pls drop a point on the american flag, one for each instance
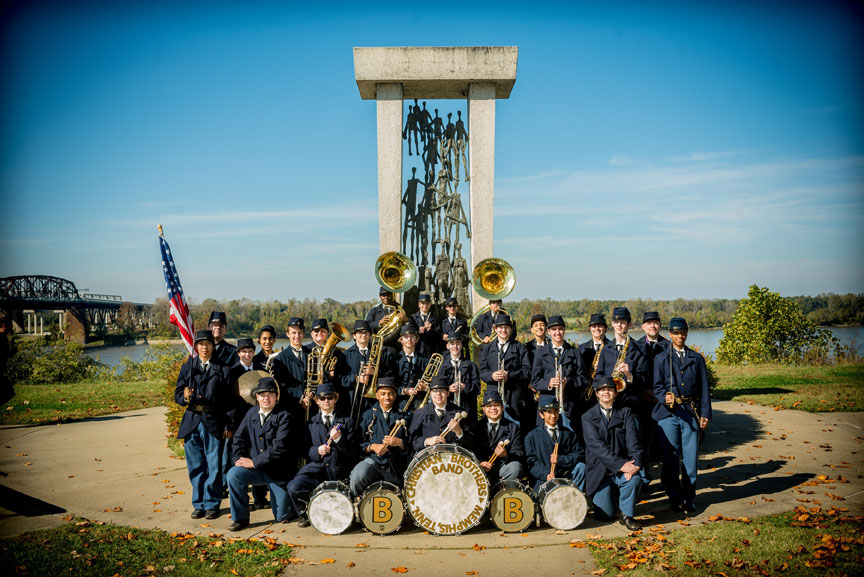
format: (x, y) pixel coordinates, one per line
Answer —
(179, 309)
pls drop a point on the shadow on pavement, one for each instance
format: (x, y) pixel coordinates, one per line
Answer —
(727, 430)
(25, 504)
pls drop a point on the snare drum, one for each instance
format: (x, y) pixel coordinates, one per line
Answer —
(381, 509)
(563, 505)
(512, 508)
(330, 510)
(446, 490)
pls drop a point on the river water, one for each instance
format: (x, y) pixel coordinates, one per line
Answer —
(708, 339)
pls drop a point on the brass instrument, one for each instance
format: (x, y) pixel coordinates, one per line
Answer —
(500, 368)
(397, 273)
(559, 390)
(458, 382)
(492, 278)
(590, 389)
(617, 375)
(247, 383)
(435, 362)
(375, 349)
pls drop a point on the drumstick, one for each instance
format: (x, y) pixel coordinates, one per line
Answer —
(396, 427)
(504, 443)
(554, 452)
(330, 440)
(458, 417)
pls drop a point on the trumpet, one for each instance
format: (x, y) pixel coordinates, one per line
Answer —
(430, 373)
(617, 376)
(500, 368)
(397, 273)
(457, 380)
(559, 390)
(492, 278)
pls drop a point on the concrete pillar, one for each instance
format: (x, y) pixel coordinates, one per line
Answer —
(481, 127)
(389, 103)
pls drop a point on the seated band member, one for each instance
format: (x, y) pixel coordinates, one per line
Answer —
(488, 436)
(484, 323)
(463, 375)
(504, 361)
(385, 455)
(409, 366)
(267, 340)
(613, 457)
(427, 326)
(262, 456)
(558, 365)
(539, 338)
(451, 322)
(429, 424)
(589, 349)
(224, 353)
(540, 450)
(203, 387)
(683, 407)
(246, 362)
(332, 452)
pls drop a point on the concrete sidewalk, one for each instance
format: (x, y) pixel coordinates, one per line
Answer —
(118, 469)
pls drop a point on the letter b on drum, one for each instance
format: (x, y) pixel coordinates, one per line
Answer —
(382, 510)
(513, 510)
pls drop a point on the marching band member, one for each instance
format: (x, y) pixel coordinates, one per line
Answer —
(320, 331)
(538, 332)
(289, 367)
(359, 371)
(204, 389)
(224, 353)
(505, 361)
(451, 323)
(633, 368)
(428, 423)
(246, 362)
(683, 408)
(589, 349)
(409, 364)
(463, 376)
(267, 340)
(427, 326)
(385, 455)
(484, 323)
(652, 341)
(613, 456)
(558, 365)
(549, 443)
(488, 436)
(378, 316)
(262, 456)
(332, 451)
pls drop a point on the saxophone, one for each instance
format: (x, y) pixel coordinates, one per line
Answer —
(617, 375)
(590, 389)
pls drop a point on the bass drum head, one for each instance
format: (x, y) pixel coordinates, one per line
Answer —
(564, 506)
(381, 508)
(330, 510)
(512, 507)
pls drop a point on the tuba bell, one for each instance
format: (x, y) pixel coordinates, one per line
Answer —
(492, 278)
(397, 273)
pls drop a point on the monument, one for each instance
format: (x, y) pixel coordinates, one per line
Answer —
(450, 153)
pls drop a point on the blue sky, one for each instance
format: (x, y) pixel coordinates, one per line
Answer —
(654, 150)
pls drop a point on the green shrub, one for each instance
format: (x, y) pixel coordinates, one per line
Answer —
(158, 363)
(48, 360)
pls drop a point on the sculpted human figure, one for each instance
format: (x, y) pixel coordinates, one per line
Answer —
(409, 201)
(455, 215)
(460, 280)
(442, 277)
(412, 127)
(461, 146)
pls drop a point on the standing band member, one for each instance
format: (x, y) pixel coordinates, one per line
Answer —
(267, 340)
(289, 368)
(203, 387)
(484, 323)
(539, 338)
(504, 365)
(683, 408)
(613, 457)
(428, 326)
(451, 322)
(224, 353)
(541, 445)
(409, 365)
(463, 376)
(558, 365)
(589, 349)
(262, 456)
(493, 435)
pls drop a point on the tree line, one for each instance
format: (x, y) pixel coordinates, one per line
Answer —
(246, 316)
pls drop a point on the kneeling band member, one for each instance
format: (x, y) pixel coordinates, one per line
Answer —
(429, 424)
(613, 456)
(548, 443)
(262, 456)
(386, 454)
(493, 435)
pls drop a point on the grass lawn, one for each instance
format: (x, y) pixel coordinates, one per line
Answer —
(83, 547)
(814, 389)
(41, 404)
(804, 542)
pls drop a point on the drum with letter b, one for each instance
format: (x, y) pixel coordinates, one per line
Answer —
(563, 505)
(380, 509)
(446, 490)
(330, 510)
(512, 508)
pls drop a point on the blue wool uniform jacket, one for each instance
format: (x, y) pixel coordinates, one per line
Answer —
(690, 380)
(587, 352)
(425, 424)
(571, 368)
(373, 429)
(458, 325)
(407, 374)
(343, 455)
(430, 341)
(225, 354)
(651, 350)
(212, 391)
(483, 446)
(374, 316)
(269, 445)
(608, 447)
(515, 360)
(633, 395)
(354, 361)
(531, 347)
(469, 375)
(483, 324)
(539, 447)
(290, 373)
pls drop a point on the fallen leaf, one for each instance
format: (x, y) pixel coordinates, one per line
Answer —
(477, 547)
(399, 569)
(600, 572)
(361, 545)
(323, 561)
(472, 572)
(350, 564)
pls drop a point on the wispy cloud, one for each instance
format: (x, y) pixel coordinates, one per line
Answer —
(703, 156)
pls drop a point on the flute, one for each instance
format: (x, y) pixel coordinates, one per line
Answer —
(503, 443)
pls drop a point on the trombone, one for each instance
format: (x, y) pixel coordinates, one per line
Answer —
(492, 278)
(397, 273)
(321, 359)
(435, 362)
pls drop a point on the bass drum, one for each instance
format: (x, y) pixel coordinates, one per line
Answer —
(512, 508)
(564, 506)
(381, 509)
(330, 510)
(446, 490)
